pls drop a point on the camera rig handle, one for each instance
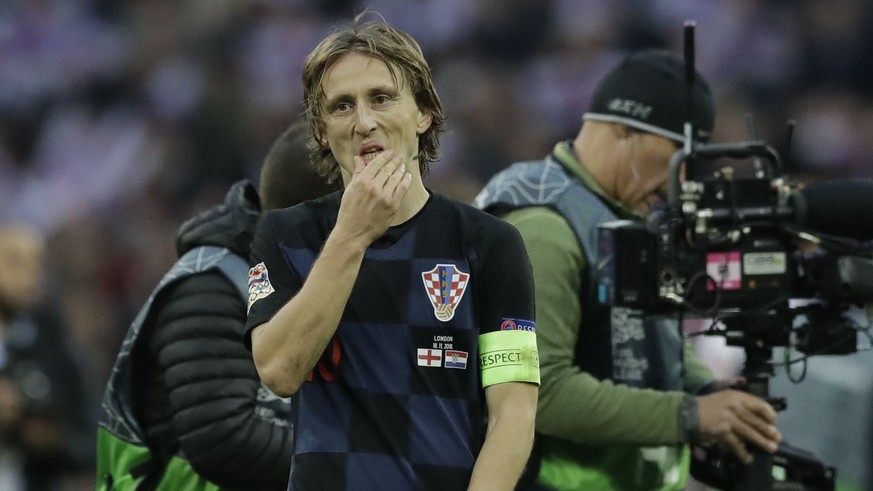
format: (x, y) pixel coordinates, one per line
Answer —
(712, 151)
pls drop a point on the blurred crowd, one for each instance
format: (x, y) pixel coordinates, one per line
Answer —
(118, 120)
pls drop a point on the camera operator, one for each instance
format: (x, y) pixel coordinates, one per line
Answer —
(622, 393)
(44, 420)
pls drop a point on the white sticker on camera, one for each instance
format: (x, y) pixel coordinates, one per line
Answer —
(764, 263)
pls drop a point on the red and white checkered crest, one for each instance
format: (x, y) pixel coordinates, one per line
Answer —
(445, 285)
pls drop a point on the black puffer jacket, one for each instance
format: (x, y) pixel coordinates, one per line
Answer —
(201, 382)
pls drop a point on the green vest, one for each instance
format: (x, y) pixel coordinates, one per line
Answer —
(124, 459)
(619, 344)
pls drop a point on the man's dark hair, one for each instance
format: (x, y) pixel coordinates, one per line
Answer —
(288, 176)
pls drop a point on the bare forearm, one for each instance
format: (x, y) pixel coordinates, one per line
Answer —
(508, 440)
(286, 348)
(502, 459)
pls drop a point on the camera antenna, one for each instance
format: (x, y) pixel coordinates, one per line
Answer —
(688, 44)
(750, 123)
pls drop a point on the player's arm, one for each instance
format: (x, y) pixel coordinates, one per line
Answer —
(508, 362)
(512, 410)
(287, 346)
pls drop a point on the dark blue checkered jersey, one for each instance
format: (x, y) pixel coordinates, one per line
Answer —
(396, 401)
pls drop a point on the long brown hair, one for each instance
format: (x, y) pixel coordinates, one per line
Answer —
(401, 53)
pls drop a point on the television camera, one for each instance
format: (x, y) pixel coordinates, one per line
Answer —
(740, 248)
(772, 263)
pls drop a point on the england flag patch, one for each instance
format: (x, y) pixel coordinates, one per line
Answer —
(445, 285)
(430, 357)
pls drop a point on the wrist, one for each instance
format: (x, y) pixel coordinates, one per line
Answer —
(341, 240)
(689, 419)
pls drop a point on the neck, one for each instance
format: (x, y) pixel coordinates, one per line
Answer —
(412, 203)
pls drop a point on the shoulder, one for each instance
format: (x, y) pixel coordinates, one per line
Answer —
(205, 292)
(310, 220)
(472, 218)
(305, 211)
(482, 232)
(539, 217)
(196, 306)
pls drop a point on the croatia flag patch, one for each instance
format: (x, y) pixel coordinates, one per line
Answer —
(455, 359)
(259, 283)
(445, 285)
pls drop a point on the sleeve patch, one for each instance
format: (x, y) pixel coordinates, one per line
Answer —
(509, 356)
(517, 325)
(259, 283)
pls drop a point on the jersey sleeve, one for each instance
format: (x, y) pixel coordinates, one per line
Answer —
(271, 281)
(507, 339)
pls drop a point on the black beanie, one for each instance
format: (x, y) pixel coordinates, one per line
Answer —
(647, 91)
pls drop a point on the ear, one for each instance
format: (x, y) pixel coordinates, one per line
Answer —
(425, 118)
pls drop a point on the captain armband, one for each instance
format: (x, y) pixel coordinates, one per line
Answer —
(508, 356)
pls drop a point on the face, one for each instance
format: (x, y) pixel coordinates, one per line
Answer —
(648, 160)
(21, 268)
(366, 112)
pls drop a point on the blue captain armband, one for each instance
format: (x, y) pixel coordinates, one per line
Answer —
(508, 356)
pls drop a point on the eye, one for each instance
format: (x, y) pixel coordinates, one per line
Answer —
(381, 99)
(341, 108)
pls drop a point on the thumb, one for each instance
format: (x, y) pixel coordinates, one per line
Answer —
(737, 382)
(359, 166)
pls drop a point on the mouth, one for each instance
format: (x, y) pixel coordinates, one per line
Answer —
(369, 152)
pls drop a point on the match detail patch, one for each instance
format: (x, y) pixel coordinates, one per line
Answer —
(259, 283)
(509, 356)
(445, 285)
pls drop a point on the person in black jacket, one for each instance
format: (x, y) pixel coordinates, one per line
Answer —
(185, 404)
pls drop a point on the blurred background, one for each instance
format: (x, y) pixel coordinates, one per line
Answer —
(119, 120)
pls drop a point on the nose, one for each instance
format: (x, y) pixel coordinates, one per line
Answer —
(364, 121)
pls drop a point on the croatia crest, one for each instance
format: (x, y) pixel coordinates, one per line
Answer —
(259, 283)
(445, 285)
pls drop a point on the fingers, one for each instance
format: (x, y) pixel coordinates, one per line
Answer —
(730, 383)
(734, 445)
(380, 168)
(386, 173)
(398, 183)
(760, 408)
(373, 195)
(762, 435)
(758, 424)
(359, 166)
(732, 419)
